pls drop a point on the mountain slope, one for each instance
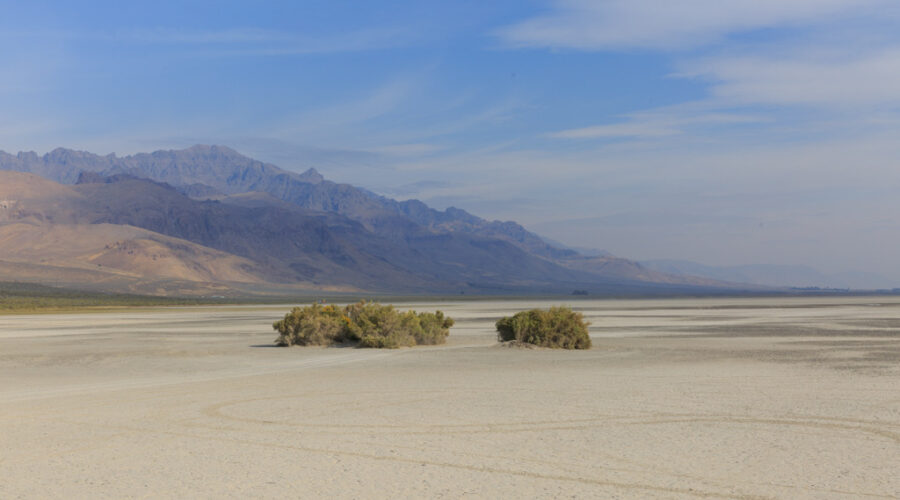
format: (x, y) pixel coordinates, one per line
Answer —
(43, 239)
(299, 244)
(773, 275)
(302, 230)
(121, 249)
(205, 171)
(143, 229)
(286, 246)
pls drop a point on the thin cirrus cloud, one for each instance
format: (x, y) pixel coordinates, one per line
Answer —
(617, 130)
(849, 54)
(233, 41)
(228, 36)
(662, 123)
(282, 45)
(668, 25)
(411, 149)
(871, 78)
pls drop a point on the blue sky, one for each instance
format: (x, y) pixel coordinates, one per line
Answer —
(725, 132)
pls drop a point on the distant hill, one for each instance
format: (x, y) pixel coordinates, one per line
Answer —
(582, 251)
(207, 217)
(772, 275)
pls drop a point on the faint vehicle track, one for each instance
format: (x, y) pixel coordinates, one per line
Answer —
(471, 468)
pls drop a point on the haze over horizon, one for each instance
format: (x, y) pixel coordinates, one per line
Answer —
(727, 133)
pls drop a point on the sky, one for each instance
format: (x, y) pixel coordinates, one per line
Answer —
(726, 132)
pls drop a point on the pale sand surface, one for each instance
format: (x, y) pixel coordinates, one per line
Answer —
(725, 398)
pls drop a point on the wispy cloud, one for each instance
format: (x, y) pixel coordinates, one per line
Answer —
(657, 123)
(670, 25)
(282, 44)
(412, 149)
(617, 130)
(804, 77)
(327, 121)
(248, 41)
(204, 37)
(467, 114)
(847, 54)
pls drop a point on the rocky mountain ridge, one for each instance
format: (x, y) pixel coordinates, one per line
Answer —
(278, 227)
(209, 171)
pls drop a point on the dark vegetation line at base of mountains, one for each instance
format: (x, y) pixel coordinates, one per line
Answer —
(30, 297)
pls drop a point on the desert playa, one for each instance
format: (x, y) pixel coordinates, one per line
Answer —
(687, 398)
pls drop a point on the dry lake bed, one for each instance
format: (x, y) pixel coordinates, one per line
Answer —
(687, 398)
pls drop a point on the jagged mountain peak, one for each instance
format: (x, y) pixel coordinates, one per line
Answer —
(66, 154)
(312, 176)
(307, 228)
(204, 171)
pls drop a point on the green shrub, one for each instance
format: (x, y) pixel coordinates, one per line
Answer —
(313, 325)
(558, 327)
(432, 328)
(367, 324)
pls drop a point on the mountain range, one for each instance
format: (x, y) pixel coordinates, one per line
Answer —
(209, 220)
(774, 275)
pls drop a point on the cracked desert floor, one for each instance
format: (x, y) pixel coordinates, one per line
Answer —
(700, 398)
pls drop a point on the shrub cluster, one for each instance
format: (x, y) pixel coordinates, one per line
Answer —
(558, 327)
(366, 324)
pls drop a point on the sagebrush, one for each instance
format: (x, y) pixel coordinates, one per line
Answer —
(558, 327)
(366, 324)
